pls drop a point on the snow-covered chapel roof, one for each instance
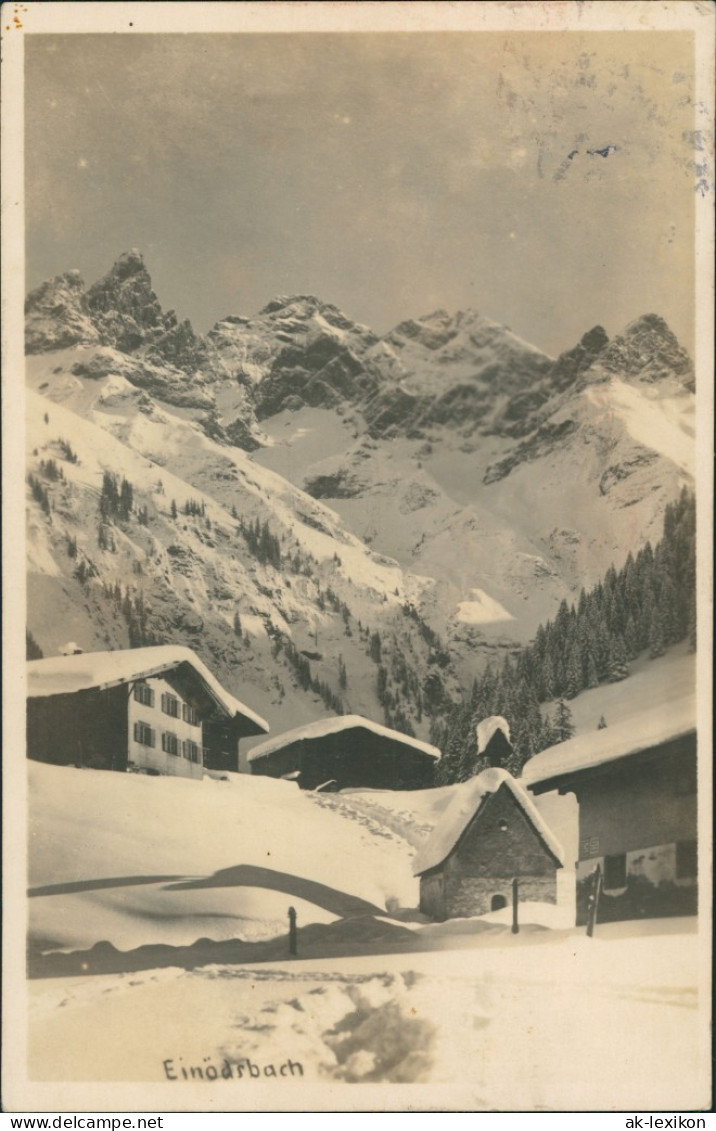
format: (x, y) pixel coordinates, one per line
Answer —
(467, 800)
(334, 726)
(597, 747)
(65, 675)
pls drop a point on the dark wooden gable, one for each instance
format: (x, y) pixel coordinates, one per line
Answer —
(498, 749)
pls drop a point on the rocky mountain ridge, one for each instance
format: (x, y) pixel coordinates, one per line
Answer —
(443, 487)
(462, 371)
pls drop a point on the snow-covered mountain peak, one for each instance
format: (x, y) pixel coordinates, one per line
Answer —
(305, 307)
(123, 304)
(646, 351)
(57, 315)
(468, 328)
(129, 263)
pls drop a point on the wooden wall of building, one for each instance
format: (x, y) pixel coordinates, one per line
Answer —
(353, 757)
(639, 801)
(87, 728)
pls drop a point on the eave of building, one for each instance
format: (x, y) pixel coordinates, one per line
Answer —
(336, 725)
(168, 661)
(573, 780)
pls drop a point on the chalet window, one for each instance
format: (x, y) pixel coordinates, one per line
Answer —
(144, 694)
(502, 825)
(590, 847)
(190, 751)
(615, 871)
(170, 743)
(189, 715)
(170, 705)
(143, 734)
(686, 860)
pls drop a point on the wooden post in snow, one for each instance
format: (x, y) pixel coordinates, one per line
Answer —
(515, 902)
(593, 902)
(292, 938)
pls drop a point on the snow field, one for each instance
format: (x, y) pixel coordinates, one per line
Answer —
(90, 825)
(548, 1021)
(664, 423)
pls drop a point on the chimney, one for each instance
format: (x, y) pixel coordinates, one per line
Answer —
(493, 740)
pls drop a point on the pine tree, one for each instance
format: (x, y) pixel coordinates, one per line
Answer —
(656, 640)
(648, 613)
(382, 685)
(563, 727)
(692, 627)
(547, 733)
(668, 611)
(457, 766)
(601, 725)
(618, 668)
(546, 683)
(573, 669)
(631, 637)
(592, 677)
(523, 747)
(125, 501)
(173, 509)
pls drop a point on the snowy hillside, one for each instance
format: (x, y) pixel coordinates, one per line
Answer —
(260, 624)
(99, 871)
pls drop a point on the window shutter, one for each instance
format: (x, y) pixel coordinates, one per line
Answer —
(136, 732)
(150, 734)
(151, 696)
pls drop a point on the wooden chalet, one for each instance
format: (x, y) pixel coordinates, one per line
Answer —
(636, 788)
(347, 750)
(153, 710)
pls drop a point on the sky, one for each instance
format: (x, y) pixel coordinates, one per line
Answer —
(390, 174)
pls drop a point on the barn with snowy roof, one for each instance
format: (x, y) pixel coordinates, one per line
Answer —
(347, 750)
(635, 783)
(155, 710)
(490, 834)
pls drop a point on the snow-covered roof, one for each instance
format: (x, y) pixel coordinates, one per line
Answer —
(64, 675)
(598, 747)
(489, 726)
(335, 726)
(467, 800)
(70, 649)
